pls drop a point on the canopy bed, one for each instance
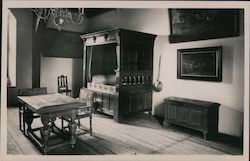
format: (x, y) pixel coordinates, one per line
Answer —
(118, 67)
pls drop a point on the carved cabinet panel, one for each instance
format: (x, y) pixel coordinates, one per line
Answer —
(183, 116)
(171, 114)
(195, 118)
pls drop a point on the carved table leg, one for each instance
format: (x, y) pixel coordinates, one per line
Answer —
(78, 123)
(28, 118)
(21, 117)
(52, 120)
(72, 128)
(45, 132)
(90, 123)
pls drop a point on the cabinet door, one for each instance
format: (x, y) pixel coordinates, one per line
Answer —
(195, 118)
(183, 115)
(171, 113)
(124, 103)
(132, 103)
(148, 101)
(139, 103)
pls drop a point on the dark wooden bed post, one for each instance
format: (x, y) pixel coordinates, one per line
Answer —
(84, 83)
(117, 73)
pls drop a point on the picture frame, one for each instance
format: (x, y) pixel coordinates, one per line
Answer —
(202, 24)
(200, 64)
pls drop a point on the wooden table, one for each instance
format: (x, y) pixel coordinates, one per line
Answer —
(49, 107)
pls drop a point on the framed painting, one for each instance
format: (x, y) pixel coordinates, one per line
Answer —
(202, 24)
(200, 64)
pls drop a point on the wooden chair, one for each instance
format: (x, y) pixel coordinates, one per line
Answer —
(86, 96)
(28, 92)
(62, 83)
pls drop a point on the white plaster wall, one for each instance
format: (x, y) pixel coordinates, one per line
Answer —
(229, 92)
(52, 67)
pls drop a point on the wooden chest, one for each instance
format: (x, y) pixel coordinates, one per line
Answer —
(194, 114)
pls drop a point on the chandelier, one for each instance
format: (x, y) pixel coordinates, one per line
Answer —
(61, 16)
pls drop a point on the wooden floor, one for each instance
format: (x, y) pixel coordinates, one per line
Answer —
(140, 134)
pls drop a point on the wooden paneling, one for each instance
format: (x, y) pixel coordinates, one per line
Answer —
(171, 113)
(195, 118)
(183, 116)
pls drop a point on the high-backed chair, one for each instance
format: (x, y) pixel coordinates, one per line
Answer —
(86, 111)
(28, 92)
(62, 83)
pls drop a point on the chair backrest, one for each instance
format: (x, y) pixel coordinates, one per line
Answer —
(62, 83)
(32, 91)
(87, 96)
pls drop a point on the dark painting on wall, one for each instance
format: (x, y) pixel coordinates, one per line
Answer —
(62, 44)
(202, 24)
(200, 64)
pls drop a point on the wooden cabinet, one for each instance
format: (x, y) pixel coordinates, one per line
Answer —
(194, 114)
(121, 60)
(139, 102)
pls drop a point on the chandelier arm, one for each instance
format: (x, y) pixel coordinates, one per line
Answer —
(61, 16)
(80, 16)
(77, 23)
(48, 14)
(40, 12)
(59, 26)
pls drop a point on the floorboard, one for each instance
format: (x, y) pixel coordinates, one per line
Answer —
(138, 134)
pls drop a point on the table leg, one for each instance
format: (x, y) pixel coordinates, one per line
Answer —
(72, 128)
(52, 120)
(21, 116)
(27, 118)
(45, 132)
(90, 123)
